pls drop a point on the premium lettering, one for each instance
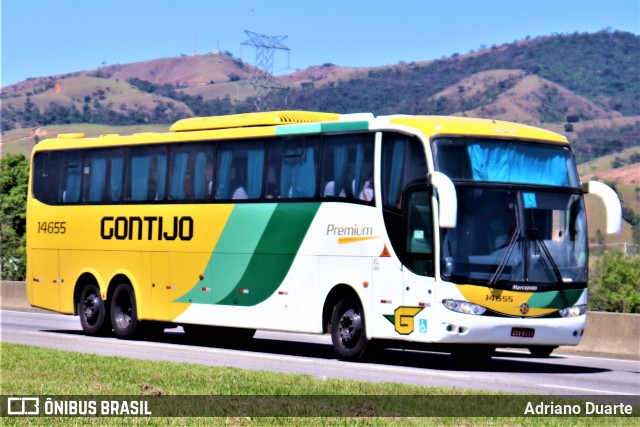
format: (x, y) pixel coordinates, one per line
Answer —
(354, 230)
(146, 228)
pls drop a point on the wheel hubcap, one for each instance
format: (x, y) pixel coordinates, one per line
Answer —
(124, 311)
(350, 325)
(91, 307)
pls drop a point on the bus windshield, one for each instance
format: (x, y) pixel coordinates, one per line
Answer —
(521, 219)
(505, 237)
(505, 161)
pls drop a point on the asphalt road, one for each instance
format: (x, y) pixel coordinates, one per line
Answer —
(509, 371)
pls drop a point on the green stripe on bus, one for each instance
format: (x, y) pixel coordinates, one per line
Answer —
(232, 253)
(274, 254)
(298, 129)
(322, 127)
(345, 126)
(553, 299)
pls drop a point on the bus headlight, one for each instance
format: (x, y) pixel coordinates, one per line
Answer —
(463, 307)
(576, 310)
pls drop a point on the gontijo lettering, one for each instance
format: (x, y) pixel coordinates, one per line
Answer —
(146, 228)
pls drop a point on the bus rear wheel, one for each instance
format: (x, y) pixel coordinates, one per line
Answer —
(94, 316)
(124, 313)
(348, 331)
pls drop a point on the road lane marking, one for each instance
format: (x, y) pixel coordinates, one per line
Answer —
(586, 390)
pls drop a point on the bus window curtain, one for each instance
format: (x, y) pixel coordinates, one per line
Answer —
(520, 164)
(299, 175)
(224, 168)
(140, 178)
(162, 176)
(397, 170)
(358, 178)
(116, 178)
(98, 174)
(255, 168)
(286, 177)
(71, 192)
(200, 177)
(340, 161)
(177, 191)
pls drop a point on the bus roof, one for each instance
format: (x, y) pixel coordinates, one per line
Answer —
(467, 126)
(300, 122)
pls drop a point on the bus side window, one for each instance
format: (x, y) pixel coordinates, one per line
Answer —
(116, 176)
(71, 177)
(293, 164)
(403, 163)
(348, 166)
(240, 170)
(104, 169)
(46, 172)
(418, 254)
(179, 179)
(147, 171)
(140, 162)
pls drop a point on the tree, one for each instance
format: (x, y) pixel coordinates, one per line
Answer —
(618, 286)
(14, 175)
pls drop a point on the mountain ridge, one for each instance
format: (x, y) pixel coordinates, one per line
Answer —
(583, 85)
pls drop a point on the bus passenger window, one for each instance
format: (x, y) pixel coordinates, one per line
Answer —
(292, 167)
(140, 166)
(239, 171)
(45, 176)
(347, 170)
(179, 180)
(71, 177)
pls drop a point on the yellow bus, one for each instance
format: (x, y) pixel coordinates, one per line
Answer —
(454, 233)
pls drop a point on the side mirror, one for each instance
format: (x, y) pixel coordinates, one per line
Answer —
(611, 203)
(447, 199)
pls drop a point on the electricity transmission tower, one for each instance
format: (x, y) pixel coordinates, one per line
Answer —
(263, 81)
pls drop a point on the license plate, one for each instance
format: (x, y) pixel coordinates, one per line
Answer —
(523, 332)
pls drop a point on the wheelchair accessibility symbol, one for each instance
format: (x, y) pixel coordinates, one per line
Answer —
(423, 326)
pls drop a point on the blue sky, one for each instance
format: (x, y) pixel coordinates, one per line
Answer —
(48, 37)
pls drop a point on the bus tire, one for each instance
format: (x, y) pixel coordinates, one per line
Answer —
(93, 312)
(348, 330)
(542, 350)
(124, 313)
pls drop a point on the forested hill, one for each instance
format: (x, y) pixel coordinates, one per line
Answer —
(601, 67)
(585, 85)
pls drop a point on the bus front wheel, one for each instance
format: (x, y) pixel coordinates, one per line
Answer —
(94, 316)
(124, 314)
(348, 331)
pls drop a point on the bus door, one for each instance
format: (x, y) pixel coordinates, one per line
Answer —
(161, 286)
(418, 263)
(387, 294)
(46, 279)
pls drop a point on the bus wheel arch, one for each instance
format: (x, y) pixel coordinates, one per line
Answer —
(344, 311)
(90, 307)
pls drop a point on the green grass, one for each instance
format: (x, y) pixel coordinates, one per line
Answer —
(32, 371)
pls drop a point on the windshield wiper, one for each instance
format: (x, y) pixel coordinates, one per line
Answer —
(506, 256)
(537, 237)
